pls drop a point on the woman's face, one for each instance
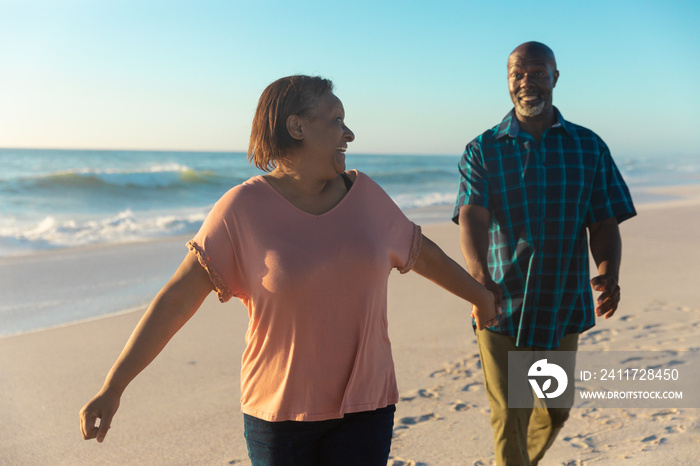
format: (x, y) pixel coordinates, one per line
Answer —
(326, 137)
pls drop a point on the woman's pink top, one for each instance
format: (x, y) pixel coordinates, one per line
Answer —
(316, 291)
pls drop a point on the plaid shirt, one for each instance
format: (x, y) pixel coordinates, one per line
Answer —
(541, 199)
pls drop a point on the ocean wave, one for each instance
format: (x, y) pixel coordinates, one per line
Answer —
(126, 226)
(156, 176)
(52, 232)
(415, 201)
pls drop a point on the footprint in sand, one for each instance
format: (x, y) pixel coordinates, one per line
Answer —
(460, 406)
(452, 371)
(472, 387)
(675, 429)
(580, 441)
(422, 393)
(403, 462)
(673, 362)
(656, 305)
(413, 420)
(409, 421)
(652, 441)
(592, 413)
(598, 336)
(676, 340)
(664, 414)
(632, 359)
(460, 369)
(604, 418)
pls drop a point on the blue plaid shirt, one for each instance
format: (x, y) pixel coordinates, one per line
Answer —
(541, 199)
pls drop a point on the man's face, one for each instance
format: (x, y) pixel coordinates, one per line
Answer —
(532, 76)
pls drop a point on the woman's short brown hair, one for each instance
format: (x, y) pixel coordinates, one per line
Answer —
(293, 95)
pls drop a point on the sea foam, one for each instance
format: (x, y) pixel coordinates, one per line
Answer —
(125, 226)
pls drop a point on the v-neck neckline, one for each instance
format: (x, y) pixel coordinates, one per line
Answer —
(301, 211)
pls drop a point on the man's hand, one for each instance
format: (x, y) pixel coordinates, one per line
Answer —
(493, 288)
(607, 302)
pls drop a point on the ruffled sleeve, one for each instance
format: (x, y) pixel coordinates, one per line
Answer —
(215, 246)
(415, 249)
(222, 291)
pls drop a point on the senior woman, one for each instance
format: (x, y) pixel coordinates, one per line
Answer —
(308, 248)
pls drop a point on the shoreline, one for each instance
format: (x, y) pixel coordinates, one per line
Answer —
(165, 254)
(56, 288)
(643, 196)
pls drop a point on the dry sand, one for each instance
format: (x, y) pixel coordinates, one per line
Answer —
(184, 408)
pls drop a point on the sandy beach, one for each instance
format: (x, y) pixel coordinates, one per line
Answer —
(184, 408)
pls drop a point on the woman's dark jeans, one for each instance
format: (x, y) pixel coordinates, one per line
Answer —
(357, 439)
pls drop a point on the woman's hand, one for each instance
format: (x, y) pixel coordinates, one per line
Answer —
(102, 407)
(486, 313)
(176, 302)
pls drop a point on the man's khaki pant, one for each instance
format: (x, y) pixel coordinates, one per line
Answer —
(521, 435)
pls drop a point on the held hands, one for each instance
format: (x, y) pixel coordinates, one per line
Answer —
(488, 314)
(485, 318)
(103, 406)
(607, 302)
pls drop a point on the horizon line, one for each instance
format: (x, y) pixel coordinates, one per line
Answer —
(212, 151)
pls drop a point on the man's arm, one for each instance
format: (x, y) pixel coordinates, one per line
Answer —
(474, 224)
(606, 247)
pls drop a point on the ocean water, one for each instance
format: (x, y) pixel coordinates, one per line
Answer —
(62, 198)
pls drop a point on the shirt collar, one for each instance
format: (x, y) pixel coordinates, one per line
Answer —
(509, 126)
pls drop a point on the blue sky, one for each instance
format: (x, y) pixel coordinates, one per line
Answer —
(416, 77)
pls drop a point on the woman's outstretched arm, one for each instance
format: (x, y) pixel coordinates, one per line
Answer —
(176, 302)
(439, 268)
